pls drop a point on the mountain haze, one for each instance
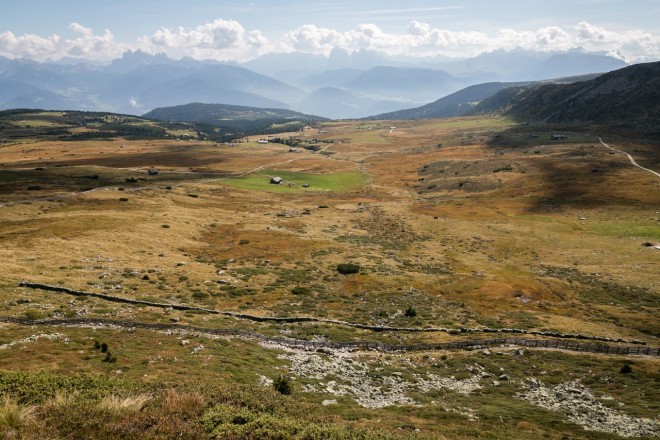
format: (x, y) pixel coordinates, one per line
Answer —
(341, 85)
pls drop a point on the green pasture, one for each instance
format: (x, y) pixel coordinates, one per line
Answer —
(292, 124)
(37, 123)
(643, 231)
(317, 182)
(484, 122)
(377, 136)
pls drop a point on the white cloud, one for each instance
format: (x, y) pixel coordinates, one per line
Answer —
(219, 39)
(309, 38)
(80, 29)
(633, 45)
(95, 47)
(86, 45)
(28, 46)
(228, 40)
(421, 39)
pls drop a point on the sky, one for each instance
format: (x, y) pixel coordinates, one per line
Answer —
(233, 30)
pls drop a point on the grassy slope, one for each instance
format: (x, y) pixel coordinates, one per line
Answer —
(547, 244)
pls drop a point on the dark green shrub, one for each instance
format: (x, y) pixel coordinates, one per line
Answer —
(241, 242)
(299, 290)
(348, 268)
(200, 295)
(104, 348)
(34, 314)
(626, 369)
(109, 358)
(282, 385)
(410, 312)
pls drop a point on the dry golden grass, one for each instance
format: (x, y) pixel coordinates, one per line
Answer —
(120, 405)
(530, 240)
(485, 245)
(14, 416)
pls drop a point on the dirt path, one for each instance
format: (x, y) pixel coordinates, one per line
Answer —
(632, 161)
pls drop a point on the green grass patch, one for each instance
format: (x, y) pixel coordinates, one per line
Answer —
(317, 182)
(497, 122)
(290, 124)
(366, 136)
(37, 123)
(625, 229)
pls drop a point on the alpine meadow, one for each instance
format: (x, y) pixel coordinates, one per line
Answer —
(330, 221)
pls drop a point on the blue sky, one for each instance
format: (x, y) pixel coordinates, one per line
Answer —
(240, 30)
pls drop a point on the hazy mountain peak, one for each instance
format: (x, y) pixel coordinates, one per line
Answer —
(361, 59)
(133, 59)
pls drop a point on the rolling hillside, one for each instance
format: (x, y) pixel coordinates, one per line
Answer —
(233, 116)
(457, 104)
(627, 97)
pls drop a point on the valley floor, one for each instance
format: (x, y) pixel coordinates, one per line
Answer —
(460, 224)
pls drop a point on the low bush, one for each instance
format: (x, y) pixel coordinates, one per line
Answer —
(109, 358)
(410, 312)
(282, 385)
(299, 290)
(348, 268)
(199, 295)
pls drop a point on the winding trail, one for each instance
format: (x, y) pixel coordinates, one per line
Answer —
(632, 160)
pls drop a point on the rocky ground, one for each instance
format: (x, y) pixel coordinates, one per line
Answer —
(582, 407)
(374, 385)
(369, 385)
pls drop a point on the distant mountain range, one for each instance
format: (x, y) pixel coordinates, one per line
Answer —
(490, 97)
(628, 97)
(342, 85)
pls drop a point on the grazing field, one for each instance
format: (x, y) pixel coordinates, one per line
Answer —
(429, 232)
(293, 182)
